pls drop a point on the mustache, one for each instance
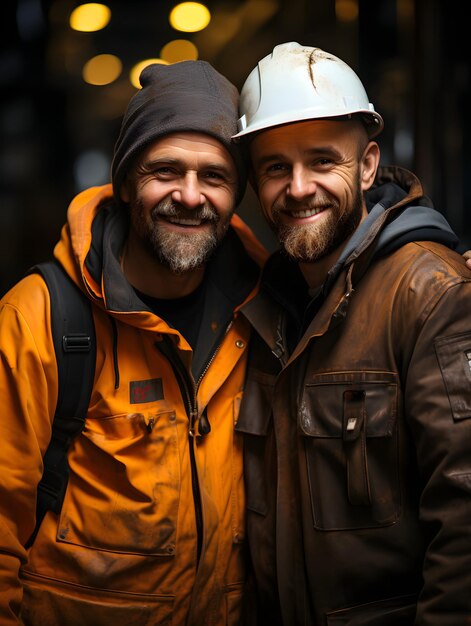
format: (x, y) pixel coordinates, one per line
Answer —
(288, 205)
(169, 208)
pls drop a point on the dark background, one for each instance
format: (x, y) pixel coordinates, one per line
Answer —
(412, 56)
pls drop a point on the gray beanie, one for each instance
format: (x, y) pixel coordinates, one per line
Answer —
(185, 96)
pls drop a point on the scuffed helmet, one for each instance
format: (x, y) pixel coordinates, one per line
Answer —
(296, 83)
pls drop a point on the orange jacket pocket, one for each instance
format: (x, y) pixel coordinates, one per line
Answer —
(124, 486)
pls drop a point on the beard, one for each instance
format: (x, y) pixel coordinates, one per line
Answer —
(179, 252)
(311, 242)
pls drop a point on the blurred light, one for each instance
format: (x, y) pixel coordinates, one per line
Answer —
(346, 10)
(189, 17)
(90, 17)
(102, 69)
(179, 50)
(91, 168)
(137, 69)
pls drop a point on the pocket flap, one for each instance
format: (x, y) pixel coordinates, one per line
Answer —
(454, 358)
(322, 406)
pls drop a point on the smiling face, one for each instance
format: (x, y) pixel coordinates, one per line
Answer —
(310, 177)
(181, 194)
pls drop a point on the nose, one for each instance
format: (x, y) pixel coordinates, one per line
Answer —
(188, 192)
(302, 183)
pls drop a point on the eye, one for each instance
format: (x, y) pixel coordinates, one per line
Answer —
(274, 169)
(164, 172)
(214, 177)
(323, 162)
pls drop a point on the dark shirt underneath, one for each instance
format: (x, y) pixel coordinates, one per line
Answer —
(184, 314)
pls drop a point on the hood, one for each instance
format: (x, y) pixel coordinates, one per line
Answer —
(398, 213)
(90, 245)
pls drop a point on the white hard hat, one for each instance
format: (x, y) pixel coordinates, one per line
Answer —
(296, 83)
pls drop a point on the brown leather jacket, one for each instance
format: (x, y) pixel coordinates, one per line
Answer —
(358, 443)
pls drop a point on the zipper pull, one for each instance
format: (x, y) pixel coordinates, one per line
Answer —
(150, 424)
(193, 416)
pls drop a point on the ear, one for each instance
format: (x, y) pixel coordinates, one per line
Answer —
(369, 164)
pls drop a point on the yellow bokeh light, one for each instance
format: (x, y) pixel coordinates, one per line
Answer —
(102, 69)
(90, 17)
(346, 10)
(137, 69)
(179, 50)
(189, 17)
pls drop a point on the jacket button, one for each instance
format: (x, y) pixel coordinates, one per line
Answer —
(239, 343)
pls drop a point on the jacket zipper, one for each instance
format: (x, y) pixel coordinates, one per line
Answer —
(213, 356)
(188, 383)
(192, 434)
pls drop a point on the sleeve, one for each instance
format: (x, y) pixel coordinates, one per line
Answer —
(438, 410)
(28, 389)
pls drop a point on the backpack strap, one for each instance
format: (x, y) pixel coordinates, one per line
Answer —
(73, 334)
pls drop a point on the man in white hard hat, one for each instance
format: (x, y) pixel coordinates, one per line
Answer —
(357, 408)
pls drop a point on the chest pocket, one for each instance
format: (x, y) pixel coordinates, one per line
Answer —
(349, 421)
(124, 486)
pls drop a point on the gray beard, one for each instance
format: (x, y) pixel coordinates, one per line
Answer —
(182, 253)
(179, 252)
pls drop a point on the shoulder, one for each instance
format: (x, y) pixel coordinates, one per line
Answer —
(417, 276)
(25, 318)
(424, 277)
(443, 257)
(429, 263)
(29, 297)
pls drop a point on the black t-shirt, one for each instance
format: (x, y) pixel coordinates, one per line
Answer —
(184, 314)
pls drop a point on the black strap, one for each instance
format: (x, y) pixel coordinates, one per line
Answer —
(73, 334)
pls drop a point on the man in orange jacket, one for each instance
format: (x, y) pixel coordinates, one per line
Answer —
(151, 529)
